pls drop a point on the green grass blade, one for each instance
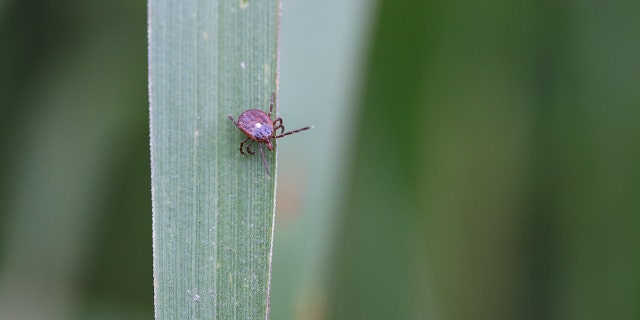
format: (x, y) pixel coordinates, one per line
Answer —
(213, 209)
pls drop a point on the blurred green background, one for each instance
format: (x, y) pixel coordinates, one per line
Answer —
(470, 160)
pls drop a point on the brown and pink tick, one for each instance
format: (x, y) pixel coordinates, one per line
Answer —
(258, 127)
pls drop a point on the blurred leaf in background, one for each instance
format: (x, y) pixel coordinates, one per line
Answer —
(75, 233)
(496, 170)
(322, 48)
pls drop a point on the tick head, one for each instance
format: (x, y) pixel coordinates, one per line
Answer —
(269, 145)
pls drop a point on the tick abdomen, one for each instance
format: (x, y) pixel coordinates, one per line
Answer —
(256, 123)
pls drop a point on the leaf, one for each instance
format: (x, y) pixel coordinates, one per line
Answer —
(213, 209)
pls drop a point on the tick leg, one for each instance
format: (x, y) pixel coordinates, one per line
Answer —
(234, 122)
(249, 146)
(264, 161)
(242, 144)
(292, 132)
(273, 98)
(278, 126)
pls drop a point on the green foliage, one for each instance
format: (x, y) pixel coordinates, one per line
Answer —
(213, 210)
(490, 170)
(496, 165)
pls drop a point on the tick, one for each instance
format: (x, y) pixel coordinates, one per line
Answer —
(258, 127)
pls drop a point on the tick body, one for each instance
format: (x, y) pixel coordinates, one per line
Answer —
(258, 127)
